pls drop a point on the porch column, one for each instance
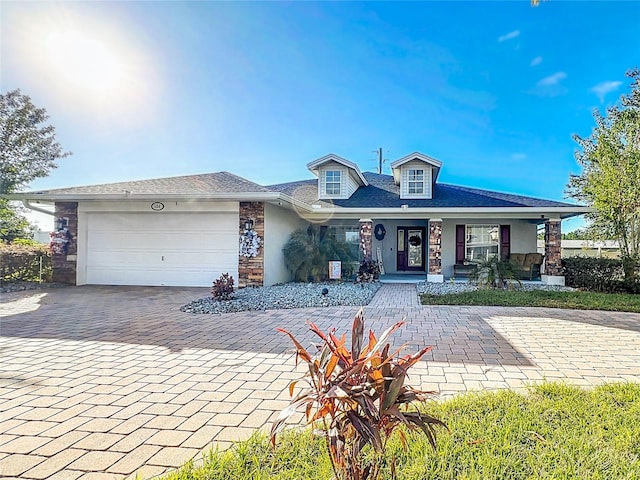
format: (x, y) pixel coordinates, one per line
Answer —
(251, 269)
(366, 245)
(552, 253)
(434, 273)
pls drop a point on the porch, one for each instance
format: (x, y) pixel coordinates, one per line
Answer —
(414, 278)
(413, 250)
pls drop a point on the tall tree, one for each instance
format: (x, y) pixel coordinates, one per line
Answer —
(28, 146)
(610, 178)
(28, 150)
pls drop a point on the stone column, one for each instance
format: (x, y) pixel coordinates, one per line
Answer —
(65, 263)
(366, 241)
(251, 269)
(553, 252)
(434, 273)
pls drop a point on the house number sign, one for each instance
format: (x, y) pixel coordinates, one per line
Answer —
(157, 206)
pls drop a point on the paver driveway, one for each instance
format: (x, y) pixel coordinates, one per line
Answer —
(104, 382)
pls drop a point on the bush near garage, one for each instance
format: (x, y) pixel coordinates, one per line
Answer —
(222, 288)
(599, 275)
(21, 263)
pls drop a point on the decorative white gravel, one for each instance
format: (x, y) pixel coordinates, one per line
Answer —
(288, 295)
(460, 287)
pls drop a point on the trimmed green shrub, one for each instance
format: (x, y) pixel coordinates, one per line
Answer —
(599, 275)
(21, 263)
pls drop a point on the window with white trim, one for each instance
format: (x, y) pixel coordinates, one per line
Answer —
(482, 242)
(415, 179)
(332, 182)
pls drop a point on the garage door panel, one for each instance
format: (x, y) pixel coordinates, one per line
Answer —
(161, 249)
(182, 277)
(152, 260)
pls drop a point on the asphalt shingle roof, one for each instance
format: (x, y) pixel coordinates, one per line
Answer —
(208, 183)
(382, 192)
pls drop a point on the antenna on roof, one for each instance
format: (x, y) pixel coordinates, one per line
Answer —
(381, 160)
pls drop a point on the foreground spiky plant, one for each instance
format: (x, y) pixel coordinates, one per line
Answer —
(357, 398)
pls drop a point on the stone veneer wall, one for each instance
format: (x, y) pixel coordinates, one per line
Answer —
(251, 270)
(435, 247)
(366, 242)
(65, 264)
(552, 247)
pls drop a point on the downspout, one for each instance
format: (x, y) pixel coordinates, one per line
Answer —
(30, 206)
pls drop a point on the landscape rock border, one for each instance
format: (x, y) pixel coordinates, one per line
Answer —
(287, 295)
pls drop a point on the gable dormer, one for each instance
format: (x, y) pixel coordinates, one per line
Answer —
(416, 174)
(337, 178)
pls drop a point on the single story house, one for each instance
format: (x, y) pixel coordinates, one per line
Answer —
(184, 231)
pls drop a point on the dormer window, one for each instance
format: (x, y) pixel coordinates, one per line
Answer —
(337, 178)
(332, 182)
(416, 175)
(416, 181)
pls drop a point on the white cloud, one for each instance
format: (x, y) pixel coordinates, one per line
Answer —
(536, 61)
(509, 36)
(518, 156)
(552, 79)
(551, 86)
(603, 88)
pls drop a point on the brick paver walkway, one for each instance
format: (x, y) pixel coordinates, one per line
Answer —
(104, 382)
(395, 295)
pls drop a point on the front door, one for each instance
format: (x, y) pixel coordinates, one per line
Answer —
(410, 249)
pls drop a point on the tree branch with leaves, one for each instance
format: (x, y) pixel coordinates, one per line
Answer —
(610, 178)
(28, 150)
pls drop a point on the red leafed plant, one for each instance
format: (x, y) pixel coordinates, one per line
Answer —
(357, 398)
(222, 287)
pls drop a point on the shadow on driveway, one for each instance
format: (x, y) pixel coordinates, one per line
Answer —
(151, 316)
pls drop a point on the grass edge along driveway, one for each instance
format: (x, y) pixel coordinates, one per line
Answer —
(552, 431)
(616, 302)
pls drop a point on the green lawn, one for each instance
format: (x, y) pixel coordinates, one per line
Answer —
(553, 432)
(539, 298)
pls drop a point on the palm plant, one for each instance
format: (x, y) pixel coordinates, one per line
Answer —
(494, 273)
(308, 252)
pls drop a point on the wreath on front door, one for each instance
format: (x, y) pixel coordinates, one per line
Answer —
(379, 232)
(415, 241)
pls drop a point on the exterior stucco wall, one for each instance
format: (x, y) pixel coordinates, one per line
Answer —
(279, 223)
(389, 244)
(523, 238)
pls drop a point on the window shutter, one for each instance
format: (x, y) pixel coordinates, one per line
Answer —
(505, 242)
(460, 243)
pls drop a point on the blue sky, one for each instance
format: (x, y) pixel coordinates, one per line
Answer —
(152, 89)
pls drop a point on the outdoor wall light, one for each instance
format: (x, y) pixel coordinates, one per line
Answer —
(61, 223)
(248, 224)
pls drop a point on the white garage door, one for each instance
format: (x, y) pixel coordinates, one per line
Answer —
(178, 249)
